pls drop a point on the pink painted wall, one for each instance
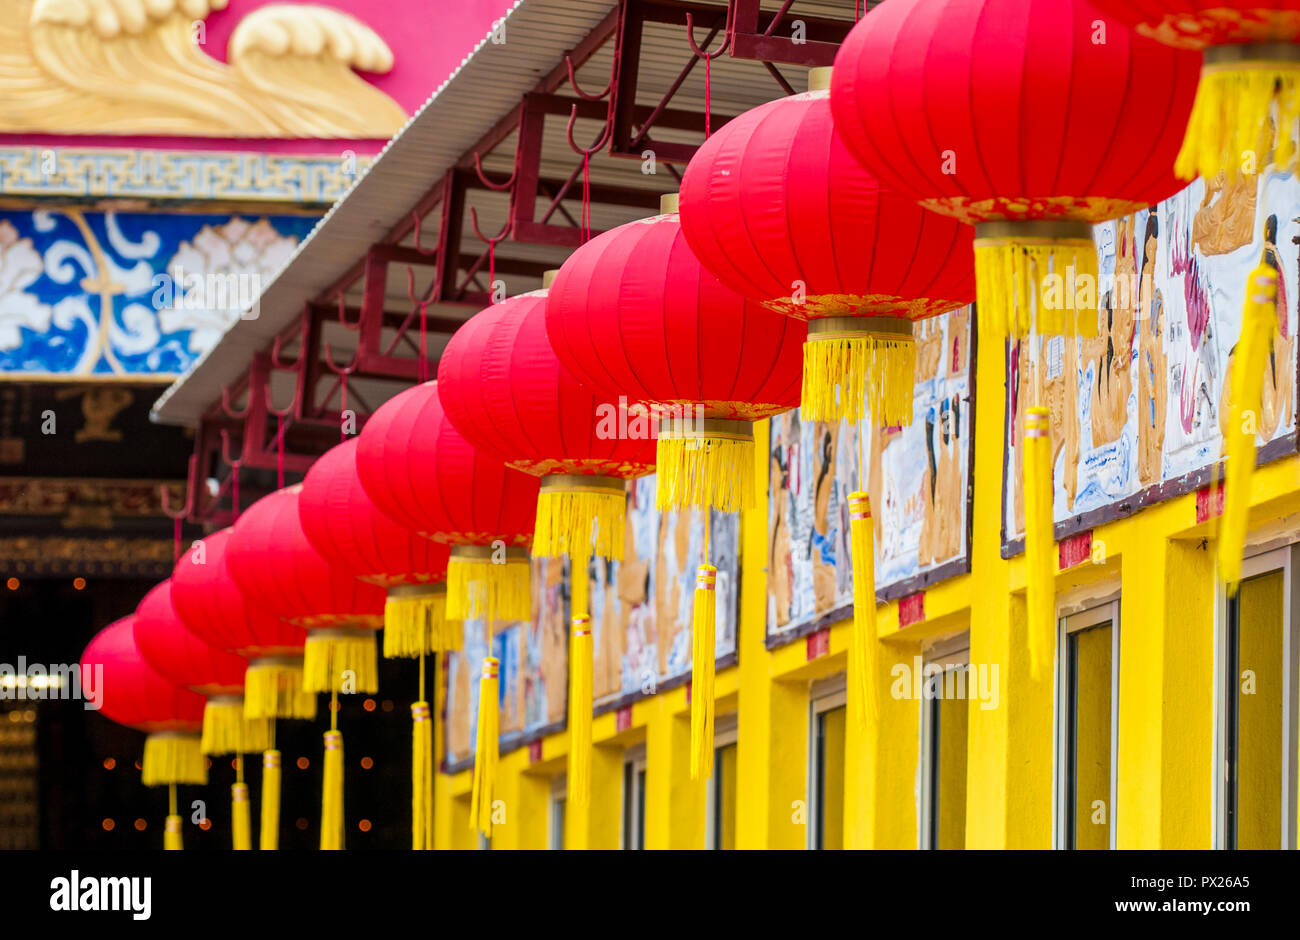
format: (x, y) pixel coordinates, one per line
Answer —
(429, 38)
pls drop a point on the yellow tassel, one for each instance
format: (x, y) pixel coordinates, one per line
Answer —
(711, 467)
(340, 660)
(581, 689)
(482, 585)
(485, 749)
(1248, 368)
(421, 777)
(702, 651)
(577, 515)
(1232, 128)
(172, 841)
(270, 833)
(273, 689)
(171, 758)
(331, 802)
(1040, 542)
(415, 622)
(863, 667)
(1024, 282)
(843, 356)
(227, 731)
(241, 828)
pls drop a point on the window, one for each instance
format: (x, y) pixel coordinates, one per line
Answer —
(559, 794)
(1257, 728)
(634, 799)
(944, 715)
(826, 765)
(1088, 727)
(721, 814)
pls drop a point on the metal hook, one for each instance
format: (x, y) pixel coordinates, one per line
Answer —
(335, 367)
(164, 496)
(277, 362)
(225, 451)
(281, 412)
(690, 37)
(495, 187)
(410, 289)
(419, 224)
(490, 242)
(577, 90)
(343, 315)
(231, 412)
(586, 152)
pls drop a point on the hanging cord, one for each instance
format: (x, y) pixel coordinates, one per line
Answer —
(279, 451)
(176, 540)
(424, 377)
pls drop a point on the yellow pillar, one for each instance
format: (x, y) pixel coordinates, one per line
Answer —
(1166, 689)
(880, 757)
(598, 824)
(675, 805)
(1009, 778)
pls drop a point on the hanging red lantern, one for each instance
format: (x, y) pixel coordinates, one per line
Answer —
(1250, 66)
(211, 604)
(504, 389)
(278, 569)
(182, 657)
(633, 313)
(775, 205)
(347, 528)
(1032, 119)
(419, 470)
(127, 690)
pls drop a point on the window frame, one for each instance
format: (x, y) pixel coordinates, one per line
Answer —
(1071, 620)
(823, 696)
(1284, 558)
(633, 809)
(726, 732)
(559, 796)
(951, 653)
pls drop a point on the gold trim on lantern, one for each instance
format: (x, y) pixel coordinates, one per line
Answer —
(479, 586)
(1036, 275)
(578, 515)
(706, 463)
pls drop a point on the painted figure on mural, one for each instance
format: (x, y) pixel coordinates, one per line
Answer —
(1153, 367)
(1111, 350)
(784, 467)
(821, 537)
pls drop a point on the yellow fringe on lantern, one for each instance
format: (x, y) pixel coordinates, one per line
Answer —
(485, 749)
(226, 729)
(270, 833)
(331, 801)
(1248, 367)
(171, 758)
(172, 841)
(340, 660)
(705, 472)
(273, 689)
(1023, 283)
(241, 827)
(576, 518)
(837, 369)
(702, 652)
(480, 588)
(416, 623)
(1040, 542)
(1232, 128)
(862, 667)
(581, 688)
(421, 777)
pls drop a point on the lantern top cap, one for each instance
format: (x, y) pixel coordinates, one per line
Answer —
(668, 203)
(819, 79)
(548, 278)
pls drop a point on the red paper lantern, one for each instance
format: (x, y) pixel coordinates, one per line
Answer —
(1251, 64)
(506, 392)
(212, 606)
(633, 313)
(776, 206)
(1032, 119)
(347, 528)
(419, 470)
(278, 569)
(127, 690)
(182, 657)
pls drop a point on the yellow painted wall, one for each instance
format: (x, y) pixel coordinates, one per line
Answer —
(1160, 560)
(1258, 688)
